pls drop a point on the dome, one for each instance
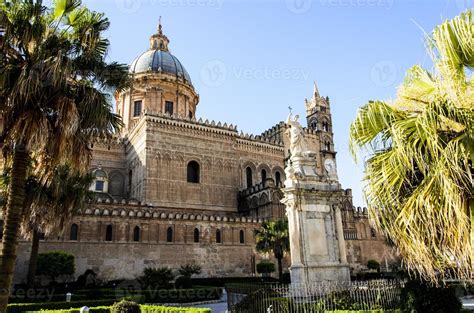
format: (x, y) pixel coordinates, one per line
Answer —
(159, 61)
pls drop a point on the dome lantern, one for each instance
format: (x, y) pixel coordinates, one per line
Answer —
(159, 41)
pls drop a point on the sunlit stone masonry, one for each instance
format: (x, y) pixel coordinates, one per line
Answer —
(174, 188)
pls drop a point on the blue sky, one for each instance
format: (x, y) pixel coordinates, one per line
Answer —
(251, 59)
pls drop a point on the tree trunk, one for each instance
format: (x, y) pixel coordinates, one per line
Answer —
(33, 260)
(280, 269)
(16, 195)
(471, 217)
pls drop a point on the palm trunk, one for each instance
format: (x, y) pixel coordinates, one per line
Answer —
(471, 217)
(33, 260)
(280, 269)
(16, 195)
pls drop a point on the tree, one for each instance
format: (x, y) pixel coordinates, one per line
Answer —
(48, 208)
(55, 263)
(273, 237)
(54, 99)
(420, 147)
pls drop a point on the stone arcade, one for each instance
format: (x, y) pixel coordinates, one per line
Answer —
(174, 189)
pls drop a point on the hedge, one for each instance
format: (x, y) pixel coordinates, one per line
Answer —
(144, 309)
(27, 307)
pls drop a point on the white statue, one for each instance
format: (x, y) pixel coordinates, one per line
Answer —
(298, 143)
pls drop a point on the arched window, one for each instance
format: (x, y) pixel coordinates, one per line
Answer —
(373, 233)
(241, 236)
(277, 178)
(264, 175)
(108, 233)
(73, 233)
(136, 234)
(193, 172)
(218, 236)
(169, 234)
(314, 124)
(325, 126)
(196, 235)
(248, 174)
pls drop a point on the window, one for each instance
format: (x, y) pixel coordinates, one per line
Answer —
(325, 126)
(99, 185)
(169, 234)
(264, 175)
(169, 107)
(73, 233)
(193, 172)
(218, 236)
(373, 233)
(278, 178)
(1, 230)
(327, 146)
(241, 236)
(248, 173)
(196, 235)
(136, 234)
(190, 114)
(314, 124)
(137, 108)
(108, 233)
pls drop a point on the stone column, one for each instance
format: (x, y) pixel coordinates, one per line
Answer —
(340, 235)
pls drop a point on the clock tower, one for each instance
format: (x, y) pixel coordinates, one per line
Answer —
(319, 120)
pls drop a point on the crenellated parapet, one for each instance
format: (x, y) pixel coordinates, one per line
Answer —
(134, 210)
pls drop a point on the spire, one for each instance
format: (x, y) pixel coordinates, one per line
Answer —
(315, 89)
(159, 41)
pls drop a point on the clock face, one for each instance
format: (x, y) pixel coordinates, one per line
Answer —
(330, 165)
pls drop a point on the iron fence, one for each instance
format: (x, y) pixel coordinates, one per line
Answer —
(317, 297)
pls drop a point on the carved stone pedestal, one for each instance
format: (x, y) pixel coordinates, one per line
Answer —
(315, 225)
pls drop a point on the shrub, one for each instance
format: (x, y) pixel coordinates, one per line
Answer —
(419, 296)
(28, 307)
(55, 263)
(157, 278)
(189, 270)
(373, 265)
(265, 267)
(183, 282)
(125, 307)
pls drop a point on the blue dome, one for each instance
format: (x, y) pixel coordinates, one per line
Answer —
(159, 61)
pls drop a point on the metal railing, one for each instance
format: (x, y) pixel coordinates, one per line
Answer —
(316, 297)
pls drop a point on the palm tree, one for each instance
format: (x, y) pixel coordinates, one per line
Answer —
(418, 172)
(273, 237)
(54, 99)
(48, 208)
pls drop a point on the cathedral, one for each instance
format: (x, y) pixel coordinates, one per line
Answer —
(175, 189)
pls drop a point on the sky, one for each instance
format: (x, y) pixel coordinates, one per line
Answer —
(250, 60)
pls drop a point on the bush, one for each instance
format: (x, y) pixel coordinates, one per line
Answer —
(189, 270)
(55, 263)
(183, 282)
(157, 278)
(27, 307)
(418, 296)
(373, 265)
(265, 267)
(126, 307)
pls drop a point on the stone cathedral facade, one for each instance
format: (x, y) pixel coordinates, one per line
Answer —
(175, 189)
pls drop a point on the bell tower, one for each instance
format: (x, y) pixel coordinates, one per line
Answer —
(319, 119)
